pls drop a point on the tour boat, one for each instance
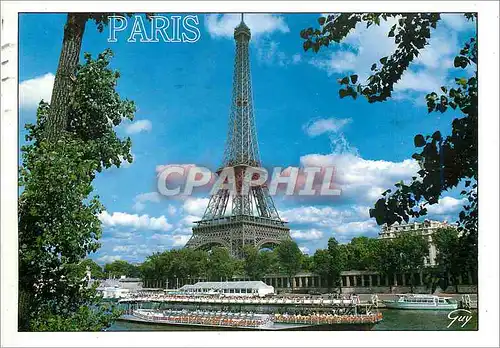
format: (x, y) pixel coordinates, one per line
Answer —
(254, 321)
(412, 301)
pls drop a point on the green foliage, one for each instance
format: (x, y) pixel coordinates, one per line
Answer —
(172, 264)
(256, 263)
(446, 161)
(454, 257)
(306, 264)
(81, 268)
(85, 318)
(412, 248)
(289, 257)
(387, 257)
(95, 109)
(322, 264)
(361, 252)
(338, 259)
(329, 263)
(403, 254)
(411, 33)
(119, 268)
(220, 265)
(58, 223)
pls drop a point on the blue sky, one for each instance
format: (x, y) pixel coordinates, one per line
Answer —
(182, 92)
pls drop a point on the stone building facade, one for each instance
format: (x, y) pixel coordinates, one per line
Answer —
(425, 229)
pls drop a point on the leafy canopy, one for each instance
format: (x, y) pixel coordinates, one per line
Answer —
(58, 216)
(446, 161)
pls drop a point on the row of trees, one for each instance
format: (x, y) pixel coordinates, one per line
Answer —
(217, 264)
(404, 254)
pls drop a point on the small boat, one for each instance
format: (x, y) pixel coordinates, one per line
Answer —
(413, 301)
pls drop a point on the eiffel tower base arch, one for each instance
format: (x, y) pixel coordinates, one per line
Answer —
(234, 232)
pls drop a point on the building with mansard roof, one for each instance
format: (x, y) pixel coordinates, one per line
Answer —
(425, 229)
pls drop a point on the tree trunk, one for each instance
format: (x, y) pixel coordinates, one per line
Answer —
(68, 61)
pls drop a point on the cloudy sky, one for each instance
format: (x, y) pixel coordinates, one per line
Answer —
(182, 92)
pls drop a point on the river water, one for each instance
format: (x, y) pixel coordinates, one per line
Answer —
(393, 320)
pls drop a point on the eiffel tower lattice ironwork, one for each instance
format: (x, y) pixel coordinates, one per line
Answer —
(252, 218)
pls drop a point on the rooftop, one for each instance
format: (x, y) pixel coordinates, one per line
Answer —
(228, 285)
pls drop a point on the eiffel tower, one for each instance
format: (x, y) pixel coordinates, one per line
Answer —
(253, 218)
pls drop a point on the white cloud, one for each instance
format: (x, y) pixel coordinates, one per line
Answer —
(440, 51)
(310, 234)
(124, 163)
(183, 230)
(139, 126)
(32, 91)
(142, 198)
(223, 25)
(457, 21)
(268, 52)
(195, 206)
(447, 205)
(188, 221)
(108, 258)
(139, 206)
(428, 72)
(119, 219)
(174, 240)
(325, 125)
(360, 179)
(160, 237)
(171, 210)
(122, 234)
(296, 58)
(323, 222)
(421, 81)
(180, 240)
(361, 48)
(357, 227)
(320, 216)
(304, 249)
(122, 248)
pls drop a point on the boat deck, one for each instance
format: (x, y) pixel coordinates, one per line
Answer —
(255, 301)
(275, 327)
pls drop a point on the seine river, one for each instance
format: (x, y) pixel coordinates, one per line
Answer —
(393, 320)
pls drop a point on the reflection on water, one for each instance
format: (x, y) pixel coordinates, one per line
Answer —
(421, 320)
(393, 320)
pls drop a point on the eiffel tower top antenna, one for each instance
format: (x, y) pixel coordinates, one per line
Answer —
(242, 21)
